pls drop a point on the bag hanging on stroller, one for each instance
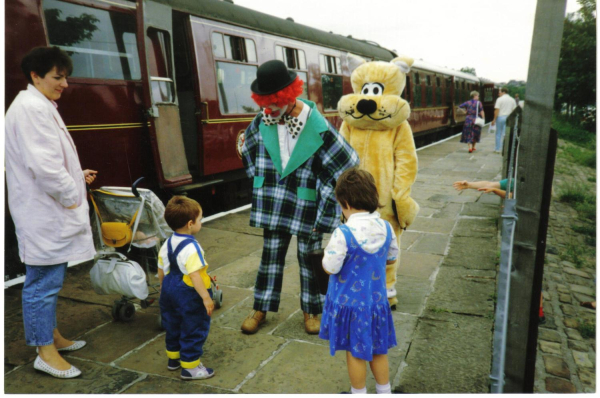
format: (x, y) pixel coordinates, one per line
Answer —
(114, 273)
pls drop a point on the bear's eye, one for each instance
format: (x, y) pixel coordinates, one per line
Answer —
(372, 89)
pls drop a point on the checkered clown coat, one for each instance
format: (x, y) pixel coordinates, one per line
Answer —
(301, 197)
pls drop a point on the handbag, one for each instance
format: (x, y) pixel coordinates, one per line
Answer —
(114, 273)
(478, 121)
(118, 234)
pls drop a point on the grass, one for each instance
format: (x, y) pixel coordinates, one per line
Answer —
(591, 179)
(588, 231)
(438, 310)
(586, 329)
(573, 133)
(574, 193)
(580, 156)
(575, 253)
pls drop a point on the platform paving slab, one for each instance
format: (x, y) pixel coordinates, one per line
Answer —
(112, 340)
(436, 361)
(233, 318)
(230, 353)
(419, 265)
(437, 225)
(472, 253)
(74, 319)
(432, 244)
(163, 385)
(450, 211)
(412, 293)
(224, 247)
(464, 291)
(95, 379)
(235, 222)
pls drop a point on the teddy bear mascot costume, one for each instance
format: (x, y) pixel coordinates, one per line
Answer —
(375, 124)
(294, 157)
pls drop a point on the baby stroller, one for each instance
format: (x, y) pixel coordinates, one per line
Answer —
(129, 225)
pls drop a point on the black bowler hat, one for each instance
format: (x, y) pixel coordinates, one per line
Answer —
(271, 77)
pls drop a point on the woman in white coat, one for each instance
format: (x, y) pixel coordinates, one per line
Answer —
(47, 201)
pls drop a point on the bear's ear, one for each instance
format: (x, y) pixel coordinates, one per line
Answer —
(403, 62)
(354, 61)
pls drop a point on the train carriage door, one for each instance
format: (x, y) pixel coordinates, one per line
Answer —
(155, 41)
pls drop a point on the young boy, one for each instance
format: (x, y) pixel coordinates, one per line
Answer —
(185, 298)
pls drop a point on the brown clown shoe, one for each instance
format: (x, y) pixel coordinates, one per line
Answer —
(312, 323)
(253, 321)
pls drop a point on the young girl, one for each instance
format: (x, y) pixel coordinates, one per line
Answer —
(356, 317)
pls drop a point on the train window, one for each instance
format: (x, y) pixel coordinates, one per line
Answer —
(293, 58)
(250, 50)
(159, 64)
(331, 81)
(417, 98)
(417, 78)
(428, 80)
(233, 47)
(233, 83)
(102, 44)
(304, 77)
(330, 64)
(429, 95)
(438, 82)
(218, 45)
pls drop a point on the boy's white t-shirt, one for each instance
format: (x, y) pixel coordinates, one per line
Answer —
(369, 231)
(188, 259)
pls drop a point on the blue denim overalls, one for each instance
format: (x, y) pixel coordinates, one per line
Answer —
(184, 316)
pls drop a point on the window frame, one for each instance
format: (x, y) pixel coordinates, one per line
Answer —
(243, 39)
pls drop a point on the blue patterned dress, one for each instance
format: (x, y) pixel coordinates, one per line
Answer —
(357, 316)
(471, 133)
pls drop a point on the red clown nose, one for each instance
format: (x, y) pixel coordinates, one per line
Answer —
(267, 111)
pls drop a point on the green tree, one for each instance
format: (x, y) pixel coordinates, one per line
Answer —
(71, 30)
(576, 81)
(469, 70)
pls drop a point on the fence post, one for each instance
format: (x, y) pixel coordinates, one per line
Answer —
(533, 197)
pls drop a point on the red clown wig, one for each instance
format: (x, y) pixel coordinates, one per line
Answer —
(281, 98)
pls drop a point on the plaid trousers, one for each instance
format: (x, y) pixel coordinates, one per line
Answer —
(267, 289)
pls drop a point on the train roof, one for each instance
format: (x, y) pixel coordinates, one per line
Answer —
(231, 13)
(418, 64)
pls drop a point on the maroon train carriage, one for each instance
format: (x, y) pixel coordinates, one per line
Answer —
(161, 88)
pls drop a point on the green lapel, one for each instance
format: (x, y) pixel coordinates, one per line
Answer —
(309, 141)
(271, 141)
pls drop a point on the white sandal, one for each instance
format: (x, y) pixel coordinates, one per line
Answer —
(42, 366)
(77, 345)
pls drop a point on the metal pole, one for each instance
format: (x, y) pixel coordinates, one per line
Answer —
(532, 207)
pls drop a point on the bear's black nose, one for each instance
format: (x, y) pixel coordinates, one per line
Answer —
(366, 107)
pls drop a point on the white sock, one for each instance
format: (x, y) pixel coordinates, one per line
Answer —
(359, 391)
(383, 388)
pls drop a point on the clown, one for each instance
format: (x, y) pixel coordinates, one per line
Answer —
(294, 157)
(375, 124)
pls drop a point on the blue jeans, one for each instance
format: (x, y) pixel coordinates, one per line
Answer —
(500, 127)
(40, 295)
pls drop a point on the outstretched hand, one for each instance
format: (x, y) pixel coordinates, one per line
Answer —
(460, 185)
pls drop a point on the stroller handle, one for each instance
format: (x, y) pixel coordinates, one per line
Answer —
(134, 187)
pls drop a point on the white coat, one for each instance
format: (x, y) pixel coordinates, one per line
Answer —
(44, 177)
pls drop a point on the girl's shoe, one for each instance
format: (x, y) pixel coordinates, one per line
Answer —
(198, 373)
(173, 364)
(42, 366)
(470, 150)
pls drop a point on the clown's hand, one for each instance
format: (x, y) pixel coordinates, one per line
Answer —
(407, 212)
